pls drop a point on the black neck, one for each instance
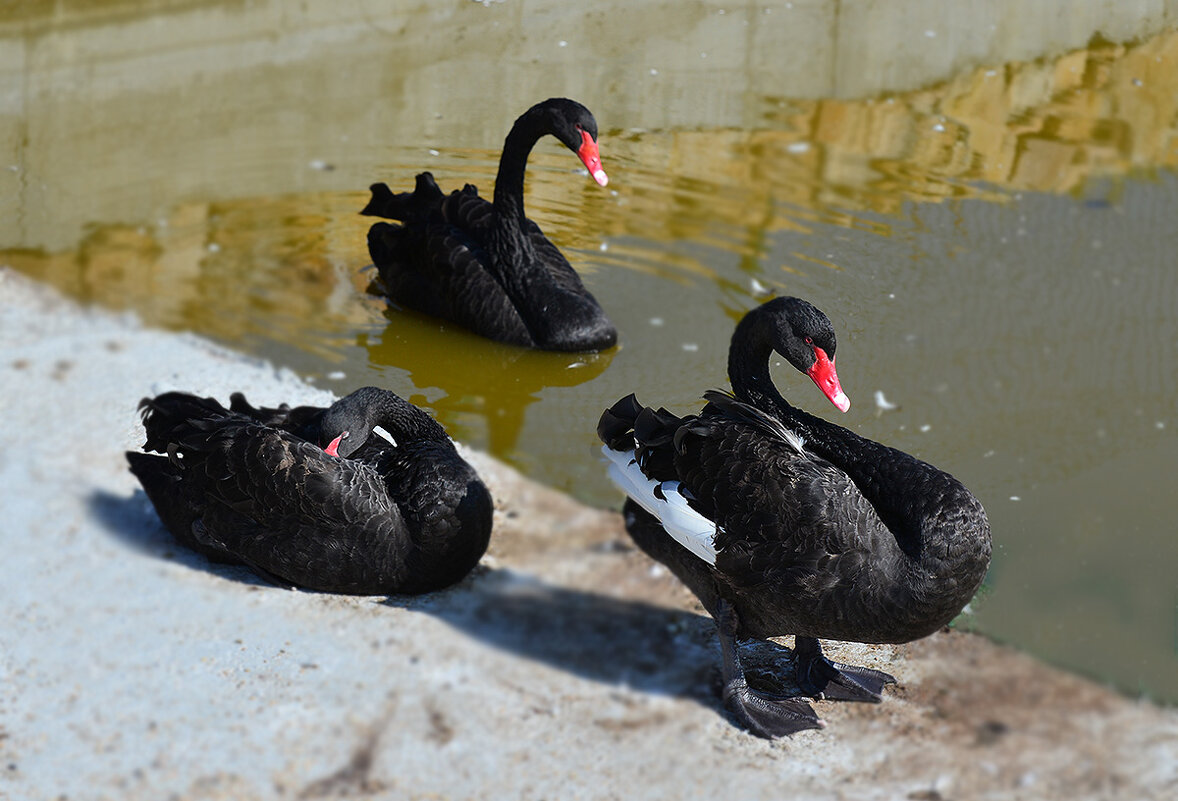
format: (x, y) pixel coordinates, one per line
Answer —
(548, 310)
(406, 422)
(509, 182)
(509, 242)
(884, 475)
(372, 406)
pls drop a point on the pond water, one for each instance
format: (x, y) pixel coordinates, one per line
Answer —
(986, 216)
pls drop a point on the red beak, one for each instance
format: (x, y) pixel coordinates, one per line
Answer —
(332, 448)
(823, 374)
(589, 156)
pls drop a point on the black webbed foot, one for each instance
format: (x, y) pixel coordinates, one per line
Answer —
(819, 677)
(764, 714)
(768, 715)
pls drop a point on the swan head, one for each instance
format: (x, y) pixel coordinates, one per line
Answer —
(801, 333)
(377, 416)
(573, 125)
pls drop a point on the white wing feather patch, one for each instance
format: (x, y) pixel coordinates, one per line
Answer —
(383, 434)
(686, 526)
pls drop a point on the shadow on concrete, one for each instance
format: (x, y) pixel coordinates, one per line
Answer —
(588, 634)
(133, 522)
(594, 636)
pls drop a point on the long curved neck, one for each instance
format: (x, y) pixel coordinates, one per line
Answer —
(552, 312)
(514, 258)
(368, 407)
(923, 507)
(406, 422)
(509, 182)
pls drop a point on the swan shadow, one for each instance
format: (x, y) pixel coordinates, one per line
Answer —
(602, 638)
(598, 637)
(132, 521)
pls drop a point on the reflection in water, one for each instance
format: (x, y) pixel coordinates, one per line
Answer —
(1046, 126)
(686, 201)
(476, 376)
(257, 270)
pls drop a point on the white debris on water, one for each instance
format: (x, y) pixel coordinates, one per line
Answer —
(882, 403)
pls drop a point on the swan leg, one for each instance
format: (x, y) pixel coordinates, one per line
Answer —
(766, 715)
(819, 677)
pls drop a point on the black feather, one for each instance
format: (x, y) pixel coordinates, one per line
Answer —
(254, 486)
(839, 538)
(485, 265)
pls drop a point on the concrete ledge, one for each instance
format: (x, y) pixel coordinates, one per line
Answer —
(568, 666)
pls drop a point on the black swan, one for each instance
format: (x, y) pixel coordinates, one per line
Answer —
(366, 497)
(783, 523)
(484, 265)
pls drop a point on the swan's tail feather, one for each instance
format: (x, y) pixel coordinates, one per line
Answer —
(383, 203)
(654, 435)
(656, 429)
(628, 425)
(616, 426)
(404, 206)
(639, 446)
(164, 414)
(302, 421)
(277, 416)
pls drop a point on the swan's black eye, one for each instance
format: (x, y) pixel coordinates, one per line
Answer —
(809, 340)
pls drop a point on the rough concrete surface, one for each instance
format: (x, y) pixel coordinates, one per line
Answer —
(568, 666)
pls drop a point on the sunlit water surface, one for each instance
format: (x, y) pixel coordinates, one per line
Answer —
(996, 253)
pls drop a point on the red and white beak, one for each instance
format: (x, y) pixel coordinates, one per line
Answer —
(332, 448)
(592, 161)
(823, 374)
